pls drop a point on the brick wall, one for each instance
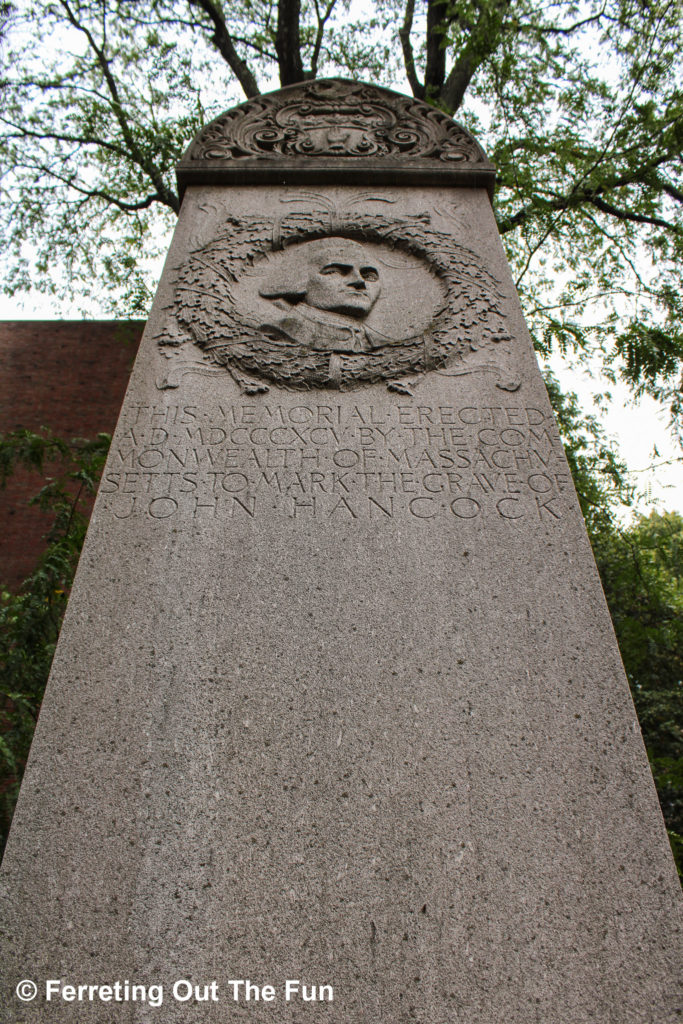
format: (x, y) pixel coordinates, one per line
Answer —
(70, 376)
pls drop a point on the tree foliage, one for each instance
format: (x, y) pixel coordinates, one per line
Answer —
(642, 574)
(31, 619)
(579, 104)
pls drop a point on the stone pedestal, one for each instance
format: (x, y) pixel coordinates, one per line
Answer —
(337, 708)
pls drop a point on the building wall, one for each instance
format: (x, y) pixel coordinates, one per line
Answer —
(69, 376)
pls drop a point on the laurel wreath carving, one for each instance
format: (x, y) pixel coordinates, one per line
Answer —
(469, 320)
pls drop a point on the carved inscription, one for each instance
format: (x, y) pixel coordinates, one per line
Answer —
(328, 461)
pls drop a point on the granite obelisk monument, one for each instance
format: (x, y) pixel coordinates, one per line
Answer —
(337, 728)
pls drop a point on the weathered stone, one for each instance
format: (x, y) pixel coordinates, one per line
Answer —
(338, 698)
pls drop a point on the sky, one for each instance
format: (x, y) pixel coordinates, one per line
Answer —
(638, 428)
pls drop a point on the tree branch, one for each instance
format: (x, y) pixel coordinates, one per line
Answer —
(134, 150)
(222, 40)
(637, 218)
(94, 193)
(549, 30)
(261, 50)
(645, 286)
(435, 66)
(484, 39)
(670, 189)
(458, 80)
(288, 42)
(577, 196)
(320, 33)
(25, 133)
(416, 85)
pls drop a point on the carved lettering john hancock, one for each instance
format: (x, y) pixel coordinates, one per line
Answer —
(324, 460)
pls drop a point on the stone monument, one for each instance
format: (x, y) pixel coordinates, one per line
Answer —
(337, 728)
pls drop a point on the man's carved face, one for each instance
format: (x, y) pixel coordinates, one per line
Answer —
(343, 281)
(334, 274)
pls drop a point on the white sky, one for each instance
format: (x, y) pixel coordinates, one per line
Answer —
(638, 428)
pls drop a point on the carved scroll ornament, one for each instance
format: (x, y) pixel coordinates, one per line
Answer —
(310, 129)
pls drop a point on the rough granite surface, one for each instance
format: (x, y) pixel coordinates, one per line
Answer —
(338, 698)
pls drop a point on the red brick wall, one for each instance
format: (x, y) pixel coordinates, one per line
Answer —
(70, 376)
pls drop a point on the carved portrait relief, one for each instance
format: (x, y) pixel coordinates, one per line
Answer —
(325, 289)
(330, 299)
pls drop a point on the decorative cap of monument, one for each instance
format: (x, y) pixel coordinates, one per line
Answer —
(334, 129)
